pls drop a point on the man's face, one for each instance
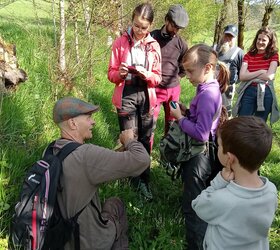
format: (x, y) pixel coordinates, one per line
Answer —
(84, 125)
(228, 38)
(228, 42)
(171, 28)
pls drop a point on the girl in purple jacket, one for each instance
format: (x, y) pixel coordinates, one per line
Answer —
(200, 63)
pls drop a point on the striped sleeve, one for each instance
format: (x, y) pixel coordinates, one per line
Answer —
(257, 62)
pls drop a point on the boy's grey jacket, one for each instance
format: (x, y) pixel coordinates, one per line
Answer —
(237, 217)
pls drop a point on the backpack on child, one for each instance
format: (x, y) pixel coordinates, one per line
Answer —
(177, 147)
(37, 222)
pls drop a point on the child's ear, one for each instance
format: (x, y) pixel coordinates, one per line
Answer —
(208, 67)
(231, 158)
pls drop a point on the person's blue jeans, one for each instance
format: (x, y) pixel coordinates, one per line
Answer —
(249, 103)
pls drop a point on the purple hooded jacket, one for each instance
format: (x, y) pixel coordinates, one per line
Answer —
(203, 109)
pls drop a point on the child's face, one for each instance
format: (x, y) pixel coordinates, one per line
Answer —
(140, 27)
(194, 72)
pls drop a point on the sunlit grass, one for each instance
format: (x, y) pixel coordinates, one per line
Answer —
(26, 127)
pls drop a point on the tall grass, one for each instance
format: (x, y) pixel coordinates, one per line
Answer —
(26, 128)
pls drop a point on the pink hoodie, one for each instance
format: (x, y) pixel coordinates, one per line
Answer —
(120, 51)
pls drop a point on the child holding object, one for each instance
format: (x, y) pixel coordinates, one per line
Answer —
(200, 63)
(135, 69)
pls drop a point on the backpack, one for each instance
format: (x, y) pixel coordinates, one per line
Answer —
(176, 147)
(37, 222)
(216, 165)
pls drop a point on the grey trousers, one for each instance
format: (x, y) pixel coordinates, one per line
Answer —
(114, 210)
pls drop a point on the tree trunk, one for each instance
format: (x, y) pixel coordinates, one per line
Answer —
(241, 22)
(54, 23)
(62, 60)
(221, 21)
(87, 18)
(216, 34)
(120, 18)
(74, 16)
(88, 12)
(76, 31)
(267, 15)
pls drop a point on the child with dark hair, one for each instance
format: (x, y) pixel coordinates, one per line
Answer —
(239, 205)
(256, 94)
(135, 69)
(200, 63)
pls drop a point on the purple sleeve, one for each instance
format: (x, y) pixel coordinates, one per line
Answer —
(200, 123)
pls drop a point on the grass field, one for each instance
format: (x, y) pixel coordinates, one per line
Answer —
(26, 127)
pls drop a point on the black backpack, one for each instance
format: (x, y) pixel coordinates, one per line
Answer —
(37, 222)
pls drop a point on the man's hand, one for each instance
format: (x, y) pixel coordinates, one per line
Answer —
(126, 136)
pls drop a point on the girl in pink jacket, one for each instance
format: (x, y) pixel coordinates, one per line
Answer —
(135, 68)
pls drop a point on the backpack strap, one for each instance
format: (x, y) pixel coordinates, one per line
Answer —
(67, 149)
(48, 150)
(214, 118)
(215, 47)
(234, 53)
(217, 113)
(62, 154)
(99, 213)
(76, 231)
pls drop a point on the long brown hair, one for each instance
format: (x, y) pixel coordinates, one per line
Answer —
(202, 54)
(271, 48)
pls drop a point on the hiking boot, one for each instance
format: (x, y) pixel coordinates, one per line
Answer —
(145, 191)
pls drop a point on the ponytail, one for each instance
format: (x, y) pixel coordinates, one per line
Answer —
(223, 76)
(223, 117)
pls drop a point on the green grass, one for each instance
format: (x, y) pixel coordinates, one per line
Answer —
(26, 127)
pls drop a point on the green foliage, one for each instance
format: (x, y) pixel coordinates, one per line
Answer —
(26, 125)
(202, 20)
(26, 9)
